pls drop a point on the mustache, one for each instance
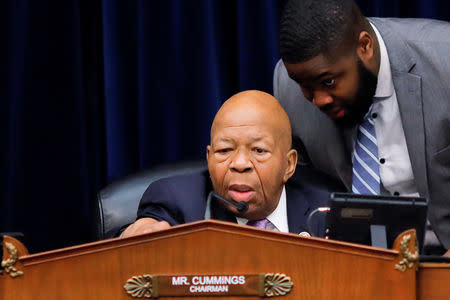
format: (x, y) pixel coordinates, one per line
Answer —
(326, 108)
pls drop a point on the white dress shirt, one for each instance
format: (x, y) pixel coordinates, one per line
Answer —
(395, 165)
(278, 218)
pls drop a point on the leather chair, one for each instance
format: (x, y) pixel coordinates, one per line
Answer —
(118, 202)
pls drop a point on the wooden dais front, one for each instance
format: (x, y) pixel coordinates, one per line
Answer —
(317, 268)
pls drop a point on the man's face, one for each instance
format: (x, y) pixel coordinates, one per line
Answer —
(248, 160)
(343, 88)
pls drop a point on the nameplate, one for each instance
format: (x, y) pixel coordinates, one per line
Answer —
(154, 286)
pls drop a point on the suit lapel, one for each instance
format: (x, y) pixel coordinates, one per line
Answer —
(341, 157)
(331, 151)
(408, 90)
(409, 97)
(297, 210)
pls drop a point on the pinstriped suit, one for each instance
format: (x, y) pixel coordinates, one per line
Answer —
(419, 53)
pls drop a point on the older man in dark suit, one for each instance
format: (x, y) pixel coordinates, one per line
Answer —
(250, 159)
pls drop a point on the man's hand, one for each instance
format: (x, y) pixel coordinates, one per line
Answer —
(145, 225)
(447, 254)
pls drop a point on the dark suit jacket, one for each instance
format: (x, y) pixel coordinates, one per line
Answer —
(420, 63)
(182, 199)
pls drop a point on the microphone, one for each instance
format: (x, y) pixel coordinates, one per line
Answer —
(241, 206)
(311, 215)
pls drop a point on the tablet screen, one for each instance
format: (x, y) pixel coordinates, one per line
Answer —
(351, 217)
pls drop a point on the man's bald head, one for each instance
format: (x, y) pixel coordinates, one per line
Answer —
(250, 156)
(251, 106)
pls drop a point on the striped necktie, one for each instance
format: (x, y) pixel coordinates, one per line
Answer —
(366, 171)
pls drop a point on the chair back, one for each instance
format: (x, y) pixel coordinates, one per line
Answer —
(118, 202)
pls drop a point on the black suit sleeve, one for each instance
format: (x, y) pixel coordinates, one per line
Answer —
(160, 203)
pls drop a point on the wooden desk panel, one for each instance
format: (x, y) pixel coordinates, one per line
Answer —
(433, 281)
(319, 268)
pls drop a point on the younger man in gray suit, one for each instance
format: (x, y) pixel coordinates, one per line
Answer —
(370, 100)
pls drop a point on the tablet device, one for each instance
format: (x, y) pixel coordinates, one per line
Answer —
(375, 220)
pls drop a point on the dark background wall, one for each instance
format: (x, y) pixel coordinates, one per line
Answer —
(93, 90)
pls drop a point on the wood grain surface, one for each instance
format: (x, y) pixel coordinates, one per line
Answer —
(319, 268)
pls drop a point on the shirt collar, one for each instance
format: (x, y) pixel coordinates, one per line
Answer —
(278, 217)
(385, 85)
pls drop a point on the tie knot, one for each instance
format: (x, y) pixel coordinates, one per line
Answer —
(258, 223)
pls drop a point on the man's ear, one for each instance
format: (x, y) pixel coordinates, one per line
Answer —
(365, 48)
(292, 157)
(208, 149)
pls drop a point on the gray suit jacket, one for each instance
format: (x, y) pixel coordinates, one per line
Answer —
(419, 53)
